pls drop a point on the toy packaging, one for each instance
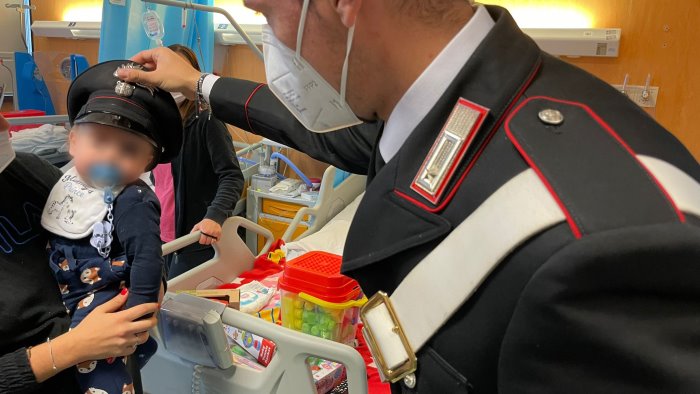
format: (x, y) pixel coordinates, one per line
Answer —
(260, 348)
(326, 374)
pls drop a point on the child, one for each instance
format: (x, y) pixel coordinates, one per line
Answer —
(103, 220)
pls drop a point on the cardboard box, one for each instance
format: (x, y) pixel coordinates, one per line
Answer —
(326, 374)
(229, 297)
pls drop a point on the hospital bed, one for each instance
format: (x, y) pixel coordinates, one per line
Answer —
(169, 373)
(193, 353)
(333, 196)
(47, 138)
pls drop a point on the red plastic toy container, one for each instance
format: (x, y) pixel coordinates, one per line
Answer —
(22, 114)
(318, 300)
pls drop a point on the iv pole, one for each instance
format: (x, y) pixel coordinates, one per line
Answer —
(215, 10)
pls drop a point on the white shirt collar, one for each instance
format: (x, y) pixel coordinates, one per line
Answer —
(432, 83)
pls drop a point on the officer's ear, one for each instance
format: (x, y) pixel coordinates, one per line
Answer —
(348, 11)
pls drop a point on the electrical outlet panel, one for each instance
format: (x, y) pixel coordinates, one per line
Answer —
(636, 94)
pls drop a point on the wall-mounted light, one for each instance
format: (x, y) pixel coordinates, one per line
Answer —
(563, 29)
(243, 15)
(226, 35)
(83, 12)
(549, 16)
(64, 29)
(578, 42)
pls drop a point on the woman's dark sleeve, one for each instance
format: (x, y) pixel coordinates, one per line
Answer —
(16, 375)
(225, 165)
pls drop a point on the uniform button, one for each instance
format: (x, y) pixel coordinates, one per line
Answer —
(410, 381)
(551, 117)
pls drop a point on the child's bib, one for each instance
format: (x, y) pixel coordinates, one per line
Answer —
(74, 207)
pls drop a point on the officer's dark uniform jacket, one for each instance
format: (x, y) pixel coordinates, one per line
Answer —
(608, 301)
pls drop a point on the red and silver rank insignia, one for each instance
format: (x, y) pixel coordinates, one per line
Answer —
(448, 149)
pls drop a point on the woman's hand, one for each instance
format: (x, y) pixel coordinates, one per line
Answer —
(108, 331)
(169, 71)
(211, 231)
(104, 333)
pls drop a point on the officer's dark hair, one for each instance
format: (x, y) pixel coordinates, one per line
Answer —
(188, 107)
(433, 12)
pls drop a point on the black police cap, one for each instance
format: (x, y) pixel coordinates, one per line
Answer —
(98, 96)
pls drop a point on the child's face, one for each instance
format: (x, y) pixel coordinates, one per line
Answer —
(92, 143)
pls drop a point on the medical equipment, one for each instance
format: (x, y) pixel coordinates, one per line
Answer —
(302, 176)
(153, 27)
(281, 214)
(262, 181)
(332, 198)
(216, 10)
(201, 323)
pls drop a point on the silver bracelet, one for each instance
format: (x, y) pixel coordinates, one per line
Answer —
(201, 103)
(53, 362)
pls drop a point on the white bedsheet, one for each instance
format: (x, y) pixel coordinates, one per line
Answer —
(45, 140)
(330, 238)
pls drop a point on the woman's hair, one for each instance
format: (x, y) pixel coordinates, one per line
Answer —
(188, 107)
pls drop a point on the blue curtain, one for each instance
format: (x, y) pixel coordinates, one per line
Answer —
(122, 34)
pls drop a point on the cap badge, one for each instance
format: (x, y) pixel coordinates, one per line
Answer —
(126, 89)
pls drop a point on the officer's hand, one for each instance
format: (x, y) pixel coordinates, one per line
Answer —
(169, 71)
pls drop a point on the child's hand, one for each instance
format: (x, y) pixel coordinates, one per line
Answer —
(110, 332)
(211, 231)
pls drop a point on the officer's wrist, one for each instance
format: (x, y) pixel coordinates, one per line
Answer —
(189, 88)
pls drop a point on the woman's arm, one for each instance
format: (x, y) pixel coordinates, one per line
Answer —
(225, 164)
(109, 332)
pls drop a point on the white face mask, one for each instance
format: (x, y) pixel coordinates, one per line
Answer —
(305, 93)
(7, 154)
(179, 97)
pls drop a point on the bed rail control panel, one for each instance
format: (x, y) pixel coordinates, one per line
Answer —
(191, 328)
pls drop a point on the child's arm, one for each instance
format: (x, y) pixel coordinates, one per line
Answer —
(137, 224)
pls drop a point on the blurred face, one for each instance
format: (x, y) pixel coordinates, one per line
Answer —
(92, 143)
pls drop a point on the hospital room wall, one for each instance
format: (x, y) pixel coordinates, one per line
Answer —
(54, 10)
(660, 38)
(50, 51)
(242, 64)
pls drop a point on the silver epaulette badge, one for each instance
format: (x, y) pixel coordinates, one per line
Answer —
(448, 149)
